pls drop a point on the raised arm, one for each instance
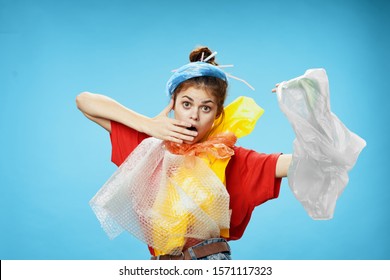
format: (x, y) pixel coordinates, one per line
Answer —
(102, 110)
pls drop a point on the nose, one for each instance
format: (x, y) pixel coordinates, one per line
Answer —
(194, 115)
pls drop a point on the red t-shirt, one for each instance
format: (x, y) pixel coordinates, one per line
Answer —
(250, 176)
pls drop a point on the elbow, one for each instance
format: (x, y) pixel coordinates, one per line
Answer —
(82, 99)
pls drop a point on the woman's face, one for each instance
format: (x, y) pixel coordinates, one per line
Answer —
(199, 108)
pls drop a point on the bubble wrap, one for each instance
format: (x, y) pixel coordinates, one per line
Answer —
(324, 149)
(165, 200)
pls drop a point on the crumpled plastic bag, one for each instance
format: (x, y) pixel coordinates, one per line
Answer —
(240, 117)
(324, 149)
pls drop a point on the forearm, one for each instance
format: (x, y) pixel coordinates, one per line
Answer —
(283, 165)
(97, 106)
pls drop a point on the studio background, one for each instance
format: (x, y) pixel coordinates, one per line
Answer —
(54, 160)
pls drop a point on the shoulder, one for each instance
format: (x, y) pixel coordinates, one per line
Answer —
(248, 163)
(248, 155)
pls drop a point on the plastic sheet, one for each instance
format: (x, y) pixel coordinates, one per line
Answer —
(240, 117)
(324, 149)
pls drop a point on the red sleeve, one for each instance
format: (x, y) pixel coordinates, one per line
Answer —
(123, 141)
(250, 181)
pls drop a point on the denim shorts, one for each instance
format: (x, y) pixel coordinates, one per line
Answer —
(217, 256)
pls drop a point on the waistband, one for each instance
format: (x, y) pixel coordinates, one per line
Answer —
(198, 251)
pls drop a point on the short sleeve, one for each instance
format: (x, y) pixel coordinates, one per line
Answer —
(250, 181)
(124, 140)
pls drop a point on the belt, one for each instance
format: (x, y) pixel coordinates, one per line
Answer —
(200, 252)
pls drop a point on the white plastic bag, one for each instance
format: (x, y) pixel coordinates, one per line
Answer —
(324, 149)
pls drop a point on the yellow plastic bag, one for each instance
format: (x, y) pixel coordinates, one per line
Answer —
(240, 117)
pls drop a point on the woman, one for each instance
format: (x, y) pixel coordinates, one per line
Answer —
(198, 92)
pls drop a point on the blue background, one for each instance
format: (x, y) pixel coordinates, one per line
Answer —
(53, 160)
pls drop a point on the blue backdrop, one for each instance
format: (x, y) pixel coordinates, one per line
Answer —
(54, 160)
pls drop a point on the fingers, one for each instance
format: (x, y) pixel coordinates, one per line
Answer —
(181, 126)
(276, 87)
(171, 129)
(182, 137)
(181, 132)
(174, 140)
(166, 111)
(179, 138)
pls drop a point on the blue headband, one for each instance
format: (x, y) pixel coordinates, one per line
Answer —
(192, 70)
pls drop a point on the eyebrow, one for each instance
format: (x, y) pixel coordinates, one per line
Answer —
(203, 102)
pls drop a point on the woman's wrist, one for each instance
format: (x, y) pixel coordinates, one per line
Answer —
(143, 124)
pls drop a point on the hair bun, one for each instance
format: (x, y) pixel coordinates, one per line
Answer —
(196, 55)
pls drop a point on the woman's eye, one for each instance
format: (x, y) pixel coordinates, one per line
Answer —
(206, 109)
(186, 104)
